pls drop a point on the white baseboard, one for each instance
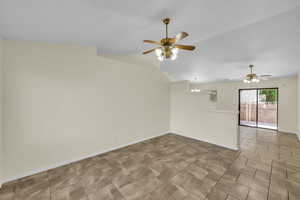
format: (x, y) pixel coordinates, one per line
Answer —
(220, 145)
(59, 164)
(288, 131)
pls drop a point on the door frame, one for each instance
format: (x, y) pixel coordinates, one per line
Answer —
(257, 89)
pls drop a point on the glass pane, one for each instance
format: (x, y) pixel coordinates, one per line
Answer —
(267, 108)
(248, 107)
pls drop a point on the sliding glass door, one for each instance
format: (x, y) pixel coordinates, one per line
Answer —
(259, 107)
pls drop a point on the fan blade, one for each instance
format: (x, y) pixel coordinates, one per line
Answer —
(185, 47)
(264, 77)
(181, 36)
(149, 51)
(152, 42)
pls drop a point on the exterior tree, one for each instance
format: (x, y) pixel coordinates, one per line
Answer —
(271, 95)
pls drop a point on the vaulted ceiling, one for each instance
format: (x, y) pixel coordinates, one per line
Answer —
(229, 34)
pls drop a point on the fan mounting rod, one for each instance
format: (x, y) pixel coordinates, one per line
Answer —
(251, 68)
(166, 21)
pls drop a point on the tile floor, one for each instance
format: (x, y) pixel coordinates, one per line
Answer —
(172, 167)
(272, 126)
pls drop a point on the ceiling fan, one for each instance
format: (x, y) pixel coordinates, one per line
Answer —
(254, 78)
(168, 46)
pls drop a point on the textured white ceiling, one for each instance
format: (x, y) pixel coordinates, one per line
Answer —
(272, 45)
(230, 34)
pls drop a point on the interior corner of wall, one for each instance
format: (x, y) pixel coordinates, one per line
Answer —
(1, 111)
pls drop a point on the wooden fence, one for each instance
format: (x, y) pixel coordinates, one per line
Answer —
(266, 112)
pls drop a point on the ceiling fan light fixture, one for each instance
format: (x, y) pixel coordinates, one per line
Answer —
(173, 57)
(174, 51)
(158, 52)
(255, 80)
(160, 58)
(167, 52)
(246, 81)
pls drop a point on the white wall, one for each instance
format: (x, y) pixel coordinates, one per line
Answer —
(63, 102)
(287, 108)
(1, 127)
(193, 115)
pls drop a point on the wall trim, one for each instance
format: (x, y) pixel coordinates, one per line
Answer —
(287, 131)
(60, 164)
(292, 133)
(220, 145)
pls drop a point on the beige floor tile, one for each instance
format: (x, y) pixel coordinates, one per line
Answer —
(172, 167)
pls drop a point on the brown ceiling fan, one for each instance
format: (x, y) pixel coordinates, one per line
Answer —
(254, 78)
(168, 46)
